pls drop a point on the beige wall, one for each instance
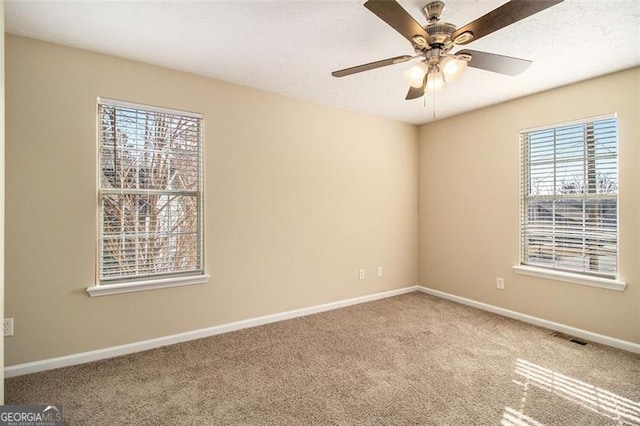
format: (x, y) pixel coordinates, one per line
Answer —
(469, 206)
(298, 197)
(2, 194)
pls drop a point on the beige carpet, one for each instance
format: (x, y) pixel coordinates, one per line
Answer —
(411, 359)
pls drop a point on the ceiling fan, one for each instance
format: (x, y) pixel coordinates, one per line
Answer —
(432, 43)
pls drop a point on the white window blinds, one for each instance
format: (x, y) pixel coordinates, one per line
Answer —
(569, 205)
(150, 192)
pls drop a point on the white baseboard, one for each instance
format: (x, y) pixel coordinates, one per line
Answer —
(587, 335)
(95, 355)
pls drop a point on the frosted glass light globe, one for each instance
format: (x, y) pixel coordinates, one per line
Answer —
(414, 76)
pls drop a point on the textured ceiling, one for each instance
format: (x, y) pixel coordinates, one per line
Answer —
(291, 47)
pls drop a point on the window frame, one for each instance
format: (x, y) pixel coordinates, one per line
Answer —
(149, 281)
(608, 281)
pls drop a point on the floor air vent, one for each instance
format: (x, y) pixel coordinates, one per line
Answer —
(572, 339)
(578, 341)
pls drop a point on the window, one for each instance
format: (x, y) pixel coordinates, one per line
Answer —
(569, 205)
(150, 194)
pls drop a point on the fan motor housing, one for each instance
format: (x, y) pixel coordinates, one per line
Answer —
(440, 32)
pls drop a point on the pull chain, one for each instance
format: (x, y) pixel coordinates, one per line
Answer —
(433, 104)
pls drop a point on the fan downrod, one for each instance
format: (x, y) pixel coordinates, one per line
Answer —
(433, 10)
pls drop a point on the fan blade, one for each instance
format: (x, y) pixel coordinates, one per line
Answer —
(415, 93)
(505, 15)
(371, 66)
(496, 63)
(398, 18)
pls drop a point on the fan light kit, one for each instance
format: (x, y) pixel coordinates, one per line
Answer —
(432, 43)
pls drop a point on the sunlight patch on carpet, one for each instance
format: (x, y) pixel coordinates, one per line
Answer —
(513, 417)
(601, 401)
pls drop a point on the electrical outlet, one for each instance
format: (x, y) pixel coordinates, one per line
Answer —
(8, 326)
(380, 273)
(500, 283)
(361, 274)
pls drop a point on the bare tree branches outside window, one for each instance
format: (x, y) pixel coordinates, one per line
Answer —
(150, 192)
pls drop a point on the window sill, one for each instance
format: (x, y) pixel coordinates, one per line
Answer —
(130, 287)
(569, 277)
